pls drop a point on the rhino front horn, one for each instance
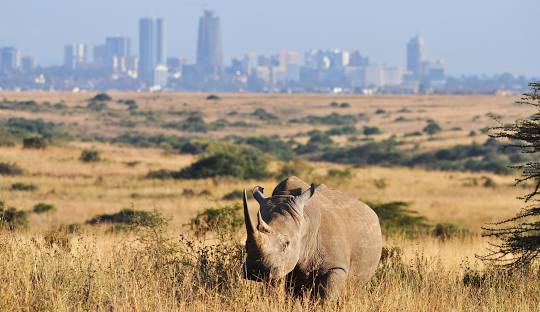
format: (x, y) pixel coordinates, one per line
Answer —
(250, 226)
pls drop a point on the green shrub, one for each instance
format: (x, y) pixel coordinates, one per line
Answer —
(432, 128)
(241, 163)
(97, 106)
(129, 217)
(101, 97)
(43, 208)
(371, 130)
(344, 105)
(445, 231)
(380, 111)
(90, 155)
(8, 169)
(11, 218)
(35, 143)
(331, 119)
(395, 218)
(296, 167)
(234, 195)
(262, 114)
(271, 145)
(340, 174)
(343, 130)
(213, 97)
(30, 126)
(20, 186)
(224, 221)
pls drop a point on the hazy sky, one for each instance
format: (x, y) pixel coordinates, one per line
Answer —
(470, 36)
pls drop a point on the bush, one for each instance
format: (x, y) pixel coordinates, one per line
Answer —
(340, 174)
(343, 130)
(42, 208)
(262, 114)
(19, 186)
(101, 97)
(371, 130)
(296, 167)
(241, 163)
(213, 97)
(11, 218)
(395, 218)
(234, 195)
(445, 231)
(35, 143)
(90, 155)
(432, 128)
(272, 145)
(130, 217)
(10, 169)
(224, 221)
(25, 126)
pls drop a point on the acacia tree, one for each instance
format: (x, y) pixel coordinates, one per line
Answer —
(518, 238)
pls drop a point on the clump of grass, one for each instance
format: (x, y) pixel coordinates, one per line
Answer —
(396, 218)
(11, 218)
(43, 208)
(10, 169)
(25, 187)
(446, 231)
(225, 221)
(35, 143)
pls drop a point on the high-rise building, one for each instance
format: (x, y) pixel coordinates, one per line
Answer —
(10, 59)
(209, 45)
(28, 63)
(151, 48)
(117, 53)
(75, 55)
(416, 55)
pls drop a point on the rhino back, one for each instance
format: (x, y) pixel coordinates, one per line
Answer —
(350, 234)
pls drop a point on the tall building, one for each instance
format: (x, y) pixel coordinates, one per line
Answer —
(28, 63)
(10, 59)
(209, 45)
(75, 55)
(151, 48)
(117, 54)
(416, 55)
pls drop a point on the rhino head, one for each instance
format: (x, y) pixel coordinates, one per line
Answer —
(274, 242)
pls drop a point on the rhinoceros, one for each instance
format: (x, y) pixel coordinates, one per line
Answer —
(314, 237)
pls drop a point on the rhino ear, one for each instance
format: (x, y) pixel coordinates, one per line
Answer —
(303, 198)
(258, 194)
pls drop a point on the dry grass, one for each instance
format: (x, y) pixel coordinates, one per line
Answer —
(97, 270)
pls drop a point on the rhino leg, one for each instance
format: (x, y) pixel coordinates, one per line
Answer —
(330, 284)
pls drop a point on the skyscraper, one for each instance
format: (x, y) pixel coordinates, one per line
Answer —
(151, 48)
(75, 55)
(10, 59)
(209, 45)
(117, 53)
(416, 55)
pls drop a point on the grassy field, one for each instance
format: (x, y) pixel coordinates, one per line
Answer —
(154, 269)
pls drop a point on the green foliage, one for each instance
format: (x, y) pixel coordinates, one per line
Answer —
(35, 142)
(234, 195)
(343, 130)
(11, 218)
(10, 169)
(371, 130)
(396, 218)
(374, 153)
(213, 97)
(90, 155)
(331, 119)
(130, 217)
(432, 128)
(101, 97)
(445, 231)
(340, 174)
(223, 221)
(237, 162)
(296, 167)
(43, 208)
(96, 106)
(262, 114)
(231, 161)
(20, 186)
(23, 126)
(272, 145)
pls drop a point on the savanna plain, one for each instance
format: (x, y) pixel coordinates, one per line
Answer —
(132, 201)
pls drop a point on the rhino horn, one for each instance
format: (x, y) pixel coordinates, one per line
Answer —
(258, 194)
(250, 227)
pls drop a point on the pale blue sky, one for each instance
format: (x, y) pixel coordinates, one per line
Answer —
(471, 36)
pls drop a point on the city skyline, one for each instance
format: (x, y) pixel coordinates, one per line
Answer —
(454, 34)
